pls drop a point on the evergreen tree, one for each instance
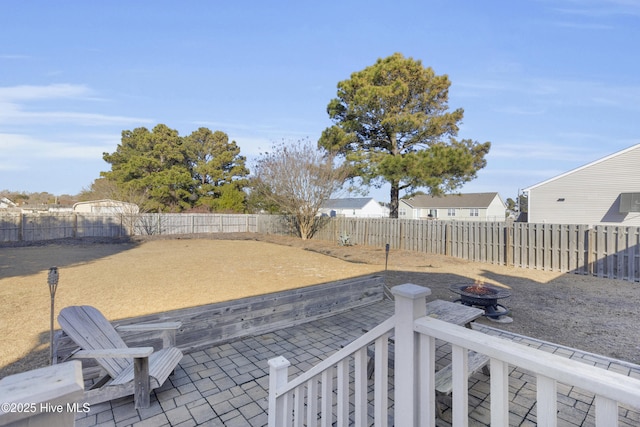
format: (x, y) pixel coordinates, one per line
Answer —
(392, 125)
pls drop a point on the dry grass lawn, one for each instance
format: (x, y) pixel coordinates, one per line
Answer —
(136, 278)
(127, 280)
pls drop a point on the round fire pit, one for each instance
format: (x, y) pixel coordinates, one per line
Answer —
(483, 296)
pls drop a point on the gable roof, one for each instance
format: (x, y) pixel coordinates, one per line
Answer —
(6, 202)
(469, 200)
(604, 159)
(347, 203)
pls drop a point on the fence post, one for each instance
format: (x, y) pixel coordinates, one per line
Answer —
(508, 241)
(278, 377)
(410, 304)
(21, 227)
(590, 249)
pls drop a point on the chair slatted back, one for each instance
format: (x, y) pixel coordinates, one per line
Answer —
(90, 330)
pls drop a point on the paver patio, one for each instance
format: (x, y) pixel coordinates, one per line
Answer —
(227, 385)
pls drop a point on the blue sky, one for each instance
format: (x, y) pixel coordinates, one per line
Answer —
(553, 84)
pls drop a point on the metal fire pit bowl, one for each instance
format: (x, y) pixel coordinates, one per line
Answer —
(486, 299)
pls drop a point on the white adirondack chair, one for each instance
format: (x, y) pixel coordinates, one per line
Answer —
(135, 370)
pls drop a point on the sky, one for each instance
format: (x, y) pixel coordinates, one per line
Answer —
(552, 84)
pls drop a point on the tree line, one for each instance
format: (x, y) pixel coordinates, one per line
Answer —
(391, 124)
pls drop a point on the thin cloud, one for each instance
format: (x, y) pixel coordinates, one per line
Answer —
(18, 116)
(17, 146)
(583, 26)
(538, 151)
(254, 139)
(30, 92)
(601, 9)
(519, 111)
(550, 91)
(15, 100)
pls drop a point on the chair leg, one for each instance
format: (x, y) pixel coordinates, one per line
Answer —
(142, 386)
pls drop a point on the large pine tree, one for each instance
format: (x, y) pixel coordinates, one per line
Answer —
(392, 124)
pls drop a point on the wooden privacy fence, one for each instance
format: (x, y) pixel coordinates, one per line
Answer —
(17, 227)
(26, 227)
(607, 251)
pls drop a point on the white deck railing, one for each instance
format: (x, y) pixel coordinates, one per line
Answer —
(309, 397)
(326, 395)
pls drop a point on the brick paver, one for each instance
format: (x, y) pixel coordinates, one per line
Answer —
(227, 385)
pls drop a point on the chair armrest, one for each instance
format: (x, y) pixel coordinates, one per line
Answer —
(167, 330)
(164, 326)
(134, 352)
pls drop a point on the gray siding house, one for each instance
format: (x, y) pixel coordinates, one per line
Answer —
(606, 191)
(459, 207)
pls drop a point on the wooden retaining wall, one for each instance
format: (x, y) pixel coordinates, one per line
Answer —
(208, 325)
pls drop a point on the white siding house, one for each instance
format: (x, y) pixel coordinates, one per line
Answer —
(606, 191)
(6, 203)
(459, 207)
(365, 207)
(106, 206)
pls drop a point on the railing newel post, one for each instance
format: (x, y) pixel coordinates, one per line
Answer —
(410, 304)
(278, 376)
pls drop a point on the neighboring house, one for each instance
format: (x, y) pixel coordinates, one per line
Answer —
(606, 191)
(42, 208)
(106, 206)
(365, 207)
(6, 203)
(459, 207)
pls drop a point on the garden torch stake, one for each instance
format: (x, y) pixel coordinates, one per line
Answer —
(386, 257)
(52, 280)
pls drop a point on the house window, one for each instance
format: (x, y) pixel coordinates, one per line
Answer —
(451, 212)
(474, 212)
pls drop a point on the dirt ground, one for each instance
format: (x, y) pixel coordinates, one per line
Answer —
(133, 278)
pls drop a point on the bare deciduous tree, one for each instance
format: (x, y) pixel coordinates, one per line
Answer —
(298, 177)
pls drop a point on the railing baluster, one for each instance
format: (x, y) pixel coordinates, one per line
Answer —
(312, 402)
(360, 399)
(606, 412)
(326, 402)
(287, 410)
(460, 384)
(343, 392)
(547, 395)
(298, 406)
(499, 393)
(381, 381)
(427, 368)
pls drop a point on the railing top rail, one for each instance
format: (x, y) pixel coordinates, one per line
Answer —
(341, 354)
(605, 383)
